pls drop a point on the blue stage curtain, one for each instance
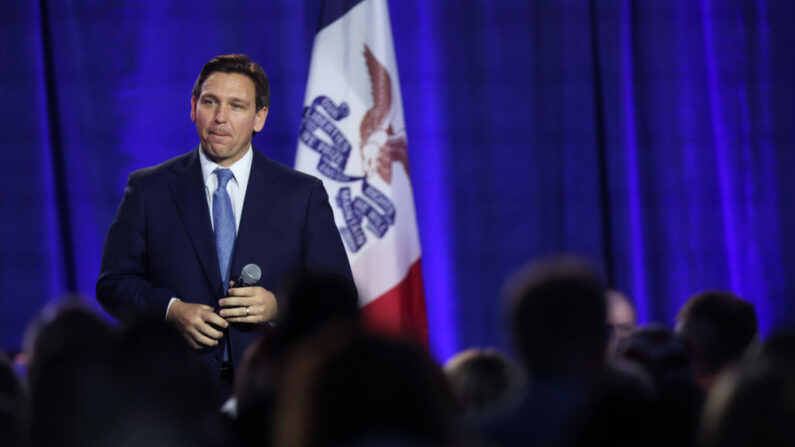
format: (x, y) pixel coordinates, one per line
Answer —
(652, 136)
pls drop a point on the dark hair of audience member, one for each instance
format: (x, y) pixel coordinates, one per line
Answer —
(91, 385)
(255, 391)
(558, 316)
(779, 350)
(753, 403)
(347, 388)
(68, 361)
(66, 329)
(312, 301)
(619, 412)
(162, 394)
(678, 399)
(13, 407)
(153, 358)
(482, 380)
(717, 328)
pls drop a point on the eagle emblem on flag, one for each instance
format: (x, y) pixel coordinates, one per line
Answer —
(381, 144)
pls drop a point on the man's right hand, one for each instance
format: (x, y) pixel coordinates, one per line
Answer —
(198, 323)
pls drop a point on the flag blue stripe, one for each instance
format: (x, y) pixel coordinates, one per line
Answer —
(331, 10)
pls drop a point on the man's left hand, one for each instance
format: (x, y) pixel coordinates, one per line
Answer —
(252, 304)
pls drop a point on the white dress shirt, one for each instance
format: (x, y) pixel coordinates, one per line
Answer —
(241, 170)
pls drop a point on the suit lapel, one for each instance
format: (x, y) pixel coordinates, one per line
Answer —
(187, 186)
(262, 193)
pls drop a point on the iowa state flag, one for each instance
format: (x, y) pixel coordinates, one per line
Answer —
(353, 138)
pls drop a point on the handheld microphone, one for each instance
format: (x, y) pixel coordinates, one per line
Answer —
(249, 276)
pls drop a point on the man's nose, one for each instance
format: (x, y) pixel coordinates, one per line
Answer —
(220, 114)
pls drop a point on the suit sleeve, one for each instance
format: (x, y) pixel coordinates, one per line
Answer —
(323, 248)
(123, 287)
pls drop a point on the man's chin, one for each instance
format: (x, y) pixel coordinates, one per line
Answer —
(215, 153)
(221, 154)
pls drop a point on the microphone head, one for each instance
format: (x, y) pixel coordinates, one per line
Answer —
(251, 274)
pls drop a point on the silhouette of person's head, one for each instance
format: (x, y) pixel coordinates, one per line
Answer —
(344, 387)
(753, 403)
(481, 379)
(69, 347)
(678, 398)
(157, 392)
(661, 353)
(311, 302)
(66, 329)
(558, 316)
(717, 328)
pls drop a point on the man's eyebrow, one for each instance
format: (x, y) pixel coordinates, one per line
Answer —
(231, 99)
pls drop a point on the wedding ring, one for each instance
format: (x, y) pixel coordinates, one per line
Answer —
(248, 312)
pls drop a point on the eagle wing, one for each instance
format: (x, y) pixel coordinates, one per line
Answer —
(381, 89)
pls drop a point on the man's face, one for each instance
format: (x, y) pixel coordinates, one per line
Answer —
(225, 115)
(621, 320)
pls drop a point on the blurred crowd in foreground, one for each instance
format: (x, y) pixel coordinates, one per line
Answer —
(582, 374)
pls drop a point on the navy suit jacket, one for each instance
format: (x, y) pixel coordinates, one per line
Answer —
(161, 242)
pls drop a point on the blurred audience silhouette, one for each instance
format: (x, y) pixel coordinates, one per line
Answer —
(13, 407)
(557, 313)
(345, 387)
(717, 328)
(313, 302)
(483, 381)
(754, 402)
(621, 320)
(586, 374)
(677, 397)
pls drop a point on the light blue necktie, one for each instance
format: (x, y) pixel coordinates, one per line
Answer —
(224, 223)
(225, 232)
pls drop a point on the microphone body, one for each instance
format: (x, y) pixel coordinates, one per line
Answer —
(249, 276)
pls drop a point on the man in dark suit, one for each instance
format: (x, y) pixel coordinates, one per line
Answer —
(187, 226)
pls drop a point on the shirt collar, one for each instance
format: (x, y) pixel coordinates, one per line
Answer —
(240, 169)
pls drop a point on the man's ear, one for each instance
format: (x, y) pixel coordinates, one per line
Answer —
(193, 108)
(259, 119)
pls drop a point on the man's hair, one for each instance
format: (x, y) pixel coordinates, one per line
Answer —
(481, 379)
(558, 317)
(717, 327)
(237, 63)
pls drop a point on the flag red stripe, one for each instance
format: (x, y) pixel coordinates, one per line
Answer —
(401, 310)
